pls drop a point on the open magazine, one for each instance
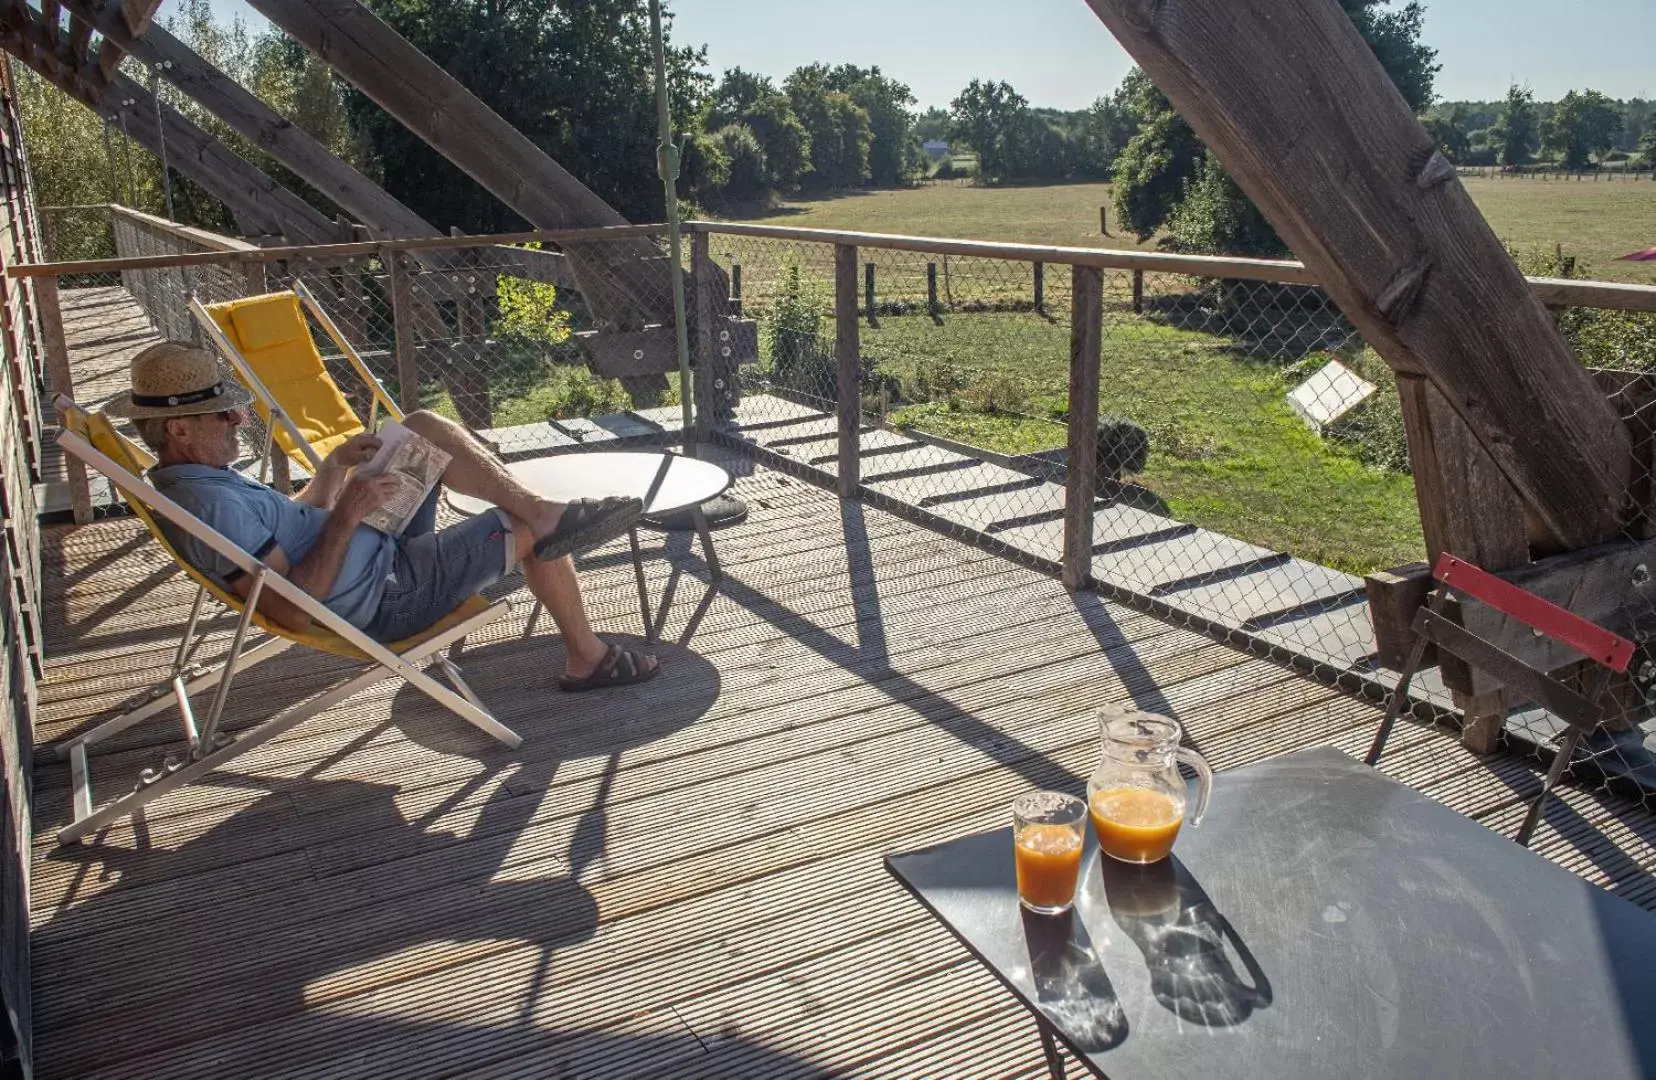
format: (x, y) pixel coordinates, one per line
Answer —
(416, 462)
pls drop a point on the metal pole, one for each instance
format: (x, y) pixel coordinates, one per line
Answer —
(161, 135)
(667, 165)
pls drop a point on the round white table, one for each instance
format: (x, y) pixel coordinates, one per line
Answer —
(666, 483)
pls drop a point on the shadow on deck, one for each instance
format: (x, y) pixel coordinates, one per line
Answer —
(679, 879)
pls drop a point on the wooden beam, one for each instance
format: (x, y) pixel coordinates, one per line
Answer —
(22, 35)
(1555, 292)
(80, 36)
(847, 370)
(1080, 483)
(1311, 127)
(624, 284)
(223, 97)
(136, 15)
(259, 202)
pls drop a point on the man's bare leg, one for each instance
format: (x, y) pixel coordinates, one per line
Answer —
(553, 583)
(474, 471)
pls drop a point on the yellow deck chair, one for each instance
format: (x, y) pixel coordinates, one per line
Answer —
(91, 438)
(267, 342)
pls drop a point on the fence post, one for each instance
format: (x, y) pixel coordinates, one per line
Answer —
(848, 351)
(931, 289)
(1104, 221)
(63, 382)
(402, 326)
(736, 289)
(706, 373)
(868, 290)
(1138, 292)
(1040, 288)
(1086, 345)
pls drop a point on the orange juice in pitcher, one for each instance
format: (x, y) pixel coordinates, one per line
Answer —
(1136, 797)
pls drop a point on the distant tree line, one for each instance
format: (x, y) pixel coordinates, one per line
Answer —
(1582, 130)
(577, 79)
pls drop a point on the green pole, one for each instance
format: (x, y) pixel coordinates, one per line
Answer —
(667, 165)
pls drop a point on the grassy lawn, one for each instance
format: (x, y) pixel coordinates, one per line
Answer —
(1595, 221)
(1226, 451)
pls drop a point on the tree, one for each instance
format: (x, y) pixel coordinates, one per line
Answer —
(838, 129)
(1515, 131)
(1647, 148)
(1164, 165)
(892, 151)
(986, 116)
(754, 102)
(1583, 126)
(747, 180)
(1447, 125)
(577, 80)
(932, 125)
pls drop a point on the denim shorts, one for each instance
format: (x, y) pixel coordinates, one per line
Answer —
(434, 570)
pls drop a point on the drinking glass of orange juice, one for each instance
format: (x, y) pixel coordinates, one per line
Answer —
(1047, 830)
(1136, 796)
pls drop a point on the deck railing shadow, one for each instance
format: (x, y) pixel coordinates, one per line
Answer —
(362, 911)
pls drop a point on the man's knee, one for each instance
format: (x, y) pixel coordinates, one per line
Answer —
(423, 421)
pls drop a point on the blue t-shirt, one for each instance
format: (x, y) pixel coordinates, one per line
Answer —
(256, 518)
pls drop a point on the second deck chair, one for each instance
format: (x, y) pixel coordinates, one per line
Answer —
(267, 342)
(91, 438)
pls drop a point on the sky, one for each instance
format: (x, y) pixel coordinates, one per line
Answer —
(1056, 52)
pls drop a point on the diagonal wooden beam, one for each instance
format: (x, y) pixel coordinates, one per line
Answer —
(1290, 98)
(255, 199)
(624, 283)
(385, 216)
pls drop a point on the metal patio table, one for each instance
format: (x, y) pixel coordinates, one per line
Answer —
(1323, 921)
(667, 484)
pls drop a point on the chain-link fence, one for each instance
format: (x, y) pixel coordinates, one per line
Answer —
(1250, 460)
(1248, 454)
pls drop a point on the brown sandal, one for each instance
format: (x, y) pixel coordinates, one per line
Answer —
(619, 667)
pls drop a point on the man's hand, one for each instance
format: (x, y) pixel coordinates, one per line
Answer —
(353, 452)
(365, 494)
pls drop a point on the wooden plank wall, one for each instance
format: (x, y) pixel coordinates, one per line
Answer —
(20, 637)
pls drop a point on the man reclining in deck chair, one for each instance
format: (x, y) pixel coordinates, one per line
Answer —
(390, 587)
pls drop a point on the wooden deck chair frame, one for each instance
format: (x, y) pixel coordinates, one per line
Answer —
(209, 749)
(379, 396)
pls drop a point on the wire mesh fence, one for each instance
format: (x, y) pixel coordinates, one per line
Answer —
(1248, 461)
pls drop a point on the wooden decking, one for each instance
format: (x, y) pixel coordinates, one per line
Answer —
(681, 879)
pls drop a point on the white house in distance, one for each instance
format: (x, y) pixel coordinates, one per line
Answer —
(935, 149)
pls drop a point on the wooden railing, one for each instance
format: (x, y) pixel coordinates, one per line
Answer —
(1087, 266)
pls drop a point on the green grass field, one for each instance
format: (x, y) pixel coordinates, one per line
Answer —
(1594, 220)
(1226, 451)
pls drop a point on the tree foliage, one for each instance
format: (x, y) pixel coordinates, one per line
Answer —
(987, 116)
(839, 130)
(1166, 179)
(576, 79)
(1583, 126)
(1518, 130)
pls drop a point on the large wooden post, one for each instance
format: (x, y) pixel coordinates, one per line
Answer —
(1290, 98)
(402, 325)
(1086, 348)
(848, 352)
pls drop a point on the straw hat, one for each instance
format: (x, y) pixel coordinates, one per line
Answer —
(173, 378)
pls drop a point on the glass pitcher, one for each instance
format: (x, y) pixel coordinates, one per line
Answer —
(1136, 796)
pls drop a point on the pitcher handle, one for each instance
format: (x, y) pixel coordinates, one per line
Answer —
(1204, 781)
